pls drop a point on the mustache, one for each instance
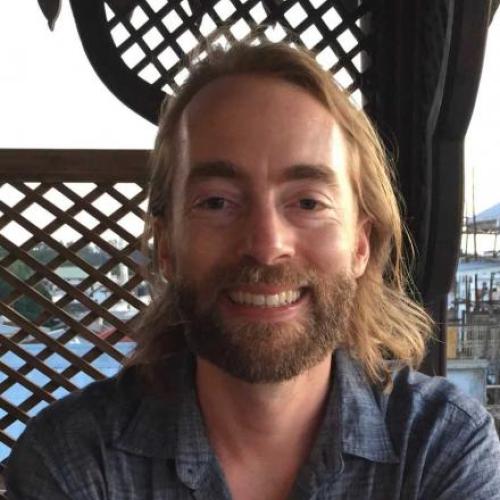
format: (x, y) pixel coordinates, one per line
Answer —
(230, 276)
(227, 276)
(186, 294)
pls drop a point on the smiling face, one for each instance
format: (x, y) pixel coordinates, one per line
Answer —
(265, 243)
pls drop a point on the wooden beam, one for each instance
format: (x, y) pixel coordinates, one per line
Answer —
(74, 165)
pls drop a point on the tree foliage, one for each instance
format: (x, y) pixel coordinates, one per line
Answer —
(44, 254)
(26, 306)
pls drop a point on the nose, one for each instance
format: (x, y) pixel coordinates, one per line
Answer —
(268, 239)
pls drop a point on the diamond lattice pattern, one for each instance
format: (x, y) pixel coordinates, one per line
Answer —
(157, 38)
(70, 288)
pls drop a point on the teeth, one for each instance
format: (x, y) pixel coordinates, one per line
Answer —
(259, 300)
(272, 300)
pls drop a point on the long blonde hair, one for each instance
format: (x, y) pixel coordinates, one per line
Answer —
(386, 323)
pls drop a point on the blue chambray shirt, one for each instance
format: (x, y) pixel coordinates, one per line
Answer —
(117, 440)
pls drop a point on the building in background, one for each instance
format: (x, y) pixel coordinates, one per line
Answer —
(473, 348)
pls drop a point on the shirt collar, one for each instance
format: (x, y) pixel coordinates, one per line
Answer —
(172, 427)
(151, 429)
(362, 412)
(193, 455)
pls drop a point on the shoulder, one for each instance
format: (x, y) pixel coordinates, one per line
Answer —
(435, 427)
(83, 420)
(71, 443)
(420, 396)
(62, 446)
(97, 414)
(430, 420)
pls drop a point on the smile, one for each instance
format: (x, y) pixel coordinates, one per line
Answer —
(281, 299)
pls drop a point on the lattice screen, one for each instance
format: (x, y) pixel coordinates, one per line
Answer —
(157, 38)
(69, 287)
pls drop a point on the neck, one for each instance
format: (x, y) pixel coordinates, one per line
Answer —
(261, 420)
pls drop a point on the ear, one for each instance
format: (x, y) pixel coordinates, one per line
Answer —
(163, 250)
(361, 254)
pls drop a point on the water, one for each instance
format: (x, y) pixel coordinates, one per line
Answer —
(18, 393)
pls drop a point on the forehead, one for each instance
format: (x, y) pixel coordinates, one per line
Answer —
(222, 93)
(255, 120)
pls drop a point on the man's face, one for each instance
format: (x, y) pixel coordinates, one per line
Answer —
(266, 243)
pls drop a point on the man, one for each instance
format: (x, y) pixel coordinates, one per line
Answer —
(262, 369)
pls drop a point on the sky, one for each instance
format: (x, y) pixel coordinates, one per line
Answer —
(51, 98)
(50, 95)
(482, 142)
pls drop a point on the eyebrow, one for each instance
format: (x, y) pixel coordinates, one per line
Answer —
(227, 170)
(316, 172)
(210, 169)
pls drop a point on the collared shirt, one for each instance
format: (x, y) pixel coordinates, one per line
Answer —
(116, 440)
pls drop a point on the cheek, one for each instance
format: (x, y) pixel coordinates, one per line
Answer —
(328, 251)
(200, 250)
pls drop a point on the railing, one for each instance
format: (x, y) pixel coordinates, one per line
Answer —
(475, 341)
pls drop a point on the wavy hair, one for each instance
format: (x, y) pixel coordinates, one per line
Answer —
(386, 323)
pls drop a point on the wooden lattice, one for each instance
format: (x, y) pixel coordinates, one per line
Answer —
(150, 42)
(156, 43)
(70, 281)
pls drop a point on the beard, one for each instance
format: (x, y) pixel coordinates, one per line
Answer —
(265, 352)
